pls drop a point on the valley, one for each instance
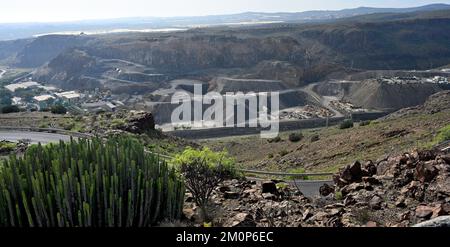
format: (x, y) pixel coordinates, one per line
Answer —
(360, 99)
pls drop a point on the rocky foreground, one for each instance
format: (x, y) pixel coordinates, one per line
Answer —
(397, 191)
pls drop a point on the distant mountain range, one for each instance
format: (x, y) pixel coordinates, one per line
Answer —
(295, 53)
(149, 24)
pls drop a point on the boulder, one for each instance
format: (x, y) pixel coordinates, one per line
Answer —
(371, 180)
(443, 221)
(438, 210)
(224, 188)
(424, 155)
(376, 203)
(139, 123)
(241, 220)
(371, 224)
(269, 187)
(423, 211)
(349, 200)
(352, 173)
(370, 169)
(400, 203)
(307, 214)
(352, 188)
(231, 195)
(326, 190)
(269, 196)
(189, 214)
(425, 172)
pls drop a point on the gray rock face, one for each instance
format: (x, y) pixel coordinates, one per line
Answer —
(443, 221)
(139, 123)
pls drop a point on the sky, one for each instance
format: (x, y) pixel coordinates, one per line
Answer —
(12, 11)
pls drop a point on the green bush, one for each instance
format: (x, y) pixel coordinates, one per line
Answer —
(115, 123)
(365, 123)
(68, 125)
(10, 109)
(88, 183)
(295, 137)
(338, 196)
(58, 109)
(444, 134)
(7, 147)
(274, 140)
(203, 170)
(346, 124)
(283, 152)
(299, 171)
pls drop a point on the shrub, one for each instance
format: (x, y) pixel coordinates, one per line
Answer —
(315, 138)
(274, 140)
(88, 183)
(346, 124)
(295, 137)
(444, 134)
(10, 109)
(365, 123)
(7, 147)
(363, 216)
(58, 109)
(68, 125)
(203, 170)
(116, 123)
(338, 196)
(283, 152)
(299, 171)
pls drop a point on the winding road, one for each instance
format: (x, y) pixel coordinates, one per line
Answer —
(308, 188)
(34, 137)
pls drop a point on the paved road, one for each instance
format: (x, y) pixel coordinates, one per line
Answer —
(310, 188)
(35, 137)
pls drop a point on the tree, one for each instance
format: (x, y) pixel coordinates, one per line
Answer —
(295, 137)
(58, 109)
(10, 109)
(346, 124)
(203, 170)
(5, 97)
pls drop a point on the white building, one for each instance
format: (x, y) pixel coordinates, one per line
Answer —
(99, 106)
(70, 96)
(43, 97)
(16, 101)
(23, 85)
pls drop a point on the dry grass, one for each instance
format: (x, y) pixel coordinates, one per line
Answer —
(335, 148)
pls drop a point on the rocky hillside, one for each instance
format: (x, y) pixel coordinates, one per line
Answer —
(45, 48)
(376, 94)
(400, 190)
(307, 52)
(9, 49)
(435, 103)
(328, 149)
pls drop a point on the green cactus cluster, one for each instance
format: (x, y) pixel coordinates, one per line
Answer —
(88, 183)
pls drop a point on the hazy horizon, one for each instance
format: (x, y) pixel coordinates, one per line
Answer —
(45, 11)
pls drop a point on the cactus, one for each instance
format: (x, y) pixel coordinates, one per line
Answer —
(88, 183)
